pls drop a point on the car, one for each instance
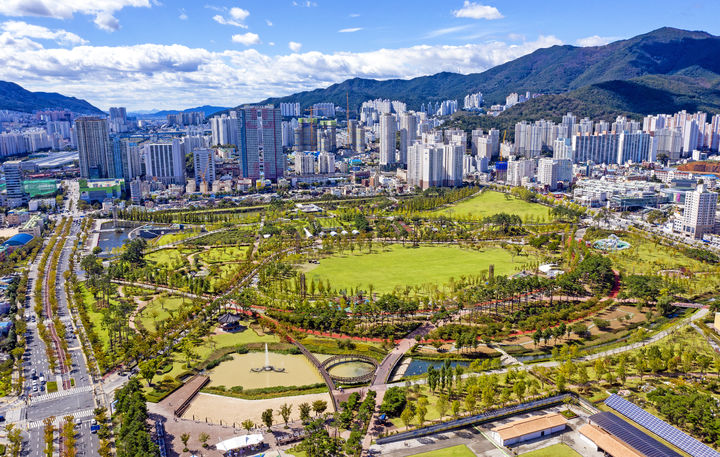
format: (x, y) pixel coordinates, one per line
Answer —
(35, 388)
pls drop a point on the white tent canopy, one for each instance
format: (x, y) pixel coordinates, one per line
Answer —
(239, 442)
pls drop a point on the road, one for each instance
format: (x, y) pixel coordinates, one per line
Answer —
(77, 398)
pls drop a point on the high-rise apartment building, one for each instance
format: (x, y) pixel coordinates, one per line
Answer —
(408, 134)
(165, 162)
(204, 166)
(519, 169)
(260, 138)
(596, 148)
(96, 155)
(304, 163)
(290, 109)
(432, 163)
(326, 163)
(699, 213)
(306, 135)
(15, 193)
(552, 171)
(388, 129)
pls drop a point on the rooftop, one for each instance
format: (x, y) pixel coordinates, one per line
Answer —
(529, 425)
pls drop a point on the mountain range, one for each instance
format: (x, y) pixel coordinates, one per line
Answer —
(16, 98)
(207, 109)
(661, 71)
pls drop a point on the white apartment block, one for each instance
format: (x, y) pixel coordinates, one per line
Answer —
(699, 214)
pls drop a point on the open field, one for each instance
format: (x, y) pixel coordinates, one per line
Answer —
(488, 203)
(556, 450)
(404, 266)
(215, 408)
(454, 451)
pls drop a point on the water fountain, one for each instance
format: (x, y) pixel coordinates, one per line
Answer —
(267, 366)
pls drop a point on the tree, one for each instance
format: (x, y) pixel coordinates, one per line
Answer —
(285, 411)
(203, 438)
(455, 408)
(248, 425)
(148, 370)
(406, 417)
(319, 406)
(185, 437)
(394, 402)
(267, 418)
(470, 402)
(442, 405)
(305, 411)
(421, 413)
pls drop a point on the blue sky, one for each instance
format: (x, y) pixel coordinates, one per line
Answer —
(175, 53)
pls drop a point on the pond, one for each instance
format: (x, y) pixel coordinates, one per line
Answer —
(236, 372)
(347, 369)
(420, 366)
(110, 238)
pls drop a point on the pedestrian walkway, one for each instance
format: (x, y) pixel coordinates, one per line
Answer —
(59, 394)
(84, 414)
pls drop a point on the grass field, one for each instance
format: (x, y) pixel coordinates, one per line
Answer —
(398, 265)
(645, 257)
(556, 450)
(489, 202)
(159, 309)
(224, 254)
(454, 451)
(169, 257)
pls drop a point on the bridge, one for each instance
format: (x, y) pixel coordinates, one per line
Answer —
(345, 358)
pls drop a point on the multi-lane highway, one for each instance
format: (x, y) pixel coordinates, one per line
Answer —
(74, 397)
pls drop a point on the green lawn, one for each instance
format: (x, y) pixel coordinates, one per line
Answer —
(489, 202)
(169, 257)
(159, 309)
(454, 451)
(556, 450)
(224, 254)
(96, 318)
(400, 265)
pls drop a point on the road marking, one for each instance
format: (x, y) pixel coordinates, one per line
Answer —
(76, 415)
(60, 393)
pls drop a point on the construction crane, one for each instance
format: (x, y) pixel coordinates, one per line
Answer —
(312, 132)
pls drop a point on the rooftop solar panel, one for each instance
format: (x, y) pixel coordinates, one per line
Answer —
(634, 437)
(660, 428)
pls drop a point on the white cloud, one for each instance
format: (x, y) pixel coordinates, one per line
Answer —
(236, 17)
(19, 29)
(595, 40)
(294, 46)
(305, 4)
(272, 43)
(354, 15)
(165, 76)
(474, 10)
(183, 15)
(446, 31)
(248, 39)
(350, 30)
(103, 10)
(268, 22)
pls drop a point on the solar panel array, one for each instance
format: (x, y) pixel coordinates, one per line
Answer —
(660, 428)
(634, 437)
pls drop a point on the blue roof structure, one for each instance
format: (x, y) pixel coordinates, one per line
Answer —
(660, 427)
(21, 239)
(632, 436)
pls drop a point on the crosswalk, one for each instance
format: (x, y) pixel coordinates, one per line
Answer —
(84, 414)
(59, 394)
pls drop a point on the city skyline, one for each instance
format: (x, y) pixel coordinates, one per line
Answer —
(227, 53)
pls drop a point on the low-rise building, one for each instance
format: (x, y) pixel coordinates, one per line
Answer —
(528, 429)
